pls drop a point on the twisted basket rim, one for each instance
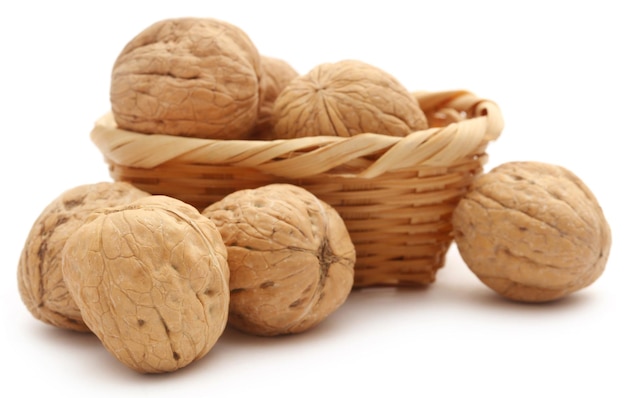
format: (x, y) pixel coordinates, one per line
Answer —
(366, 155)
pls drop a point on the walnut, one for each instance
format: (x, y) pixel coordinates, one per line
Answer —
(532, 232)
(276, 74)
(40, 279)
(290, 256)
(151, 281)
(188, 76)
(344, 99)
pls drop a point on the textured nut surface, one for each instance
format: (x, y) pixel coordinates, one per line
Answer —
(190, 77)
(276, 74)
(346, 98)
(532, 231)
(290, 256)
(151, 281)
(40, 279)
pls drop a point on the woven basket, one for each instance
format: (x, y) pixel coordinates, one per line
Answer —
(395, 194)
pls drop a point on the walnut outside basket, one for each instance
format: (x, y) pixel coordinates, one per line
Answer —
(395, 194)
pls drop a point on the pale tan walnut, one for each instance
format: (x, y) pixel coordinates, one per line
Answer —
(532, 231)
(343, 99)
(290, 256)
(196, 77)
(276, 74)
(151, 281)
(40, 279)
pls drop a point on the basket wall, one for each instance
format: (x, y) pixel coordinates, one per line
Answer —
(398, 217)
(399, 222)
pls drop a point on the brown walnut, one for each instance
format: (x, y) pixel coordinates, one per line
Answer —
(40, 279)
(151, 281)
(344, 99)
(532, 232)
(196, 77)
(276, 74)
(290, 256)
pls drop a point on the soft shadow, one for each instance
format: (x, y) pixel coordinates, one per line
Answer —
(235, 338)
(91, 354)
(572, 302)
(234, 345)
(393, 290)
(388, 298)
(67, 338)
(385, 294)
(88, 351)
(362, 299)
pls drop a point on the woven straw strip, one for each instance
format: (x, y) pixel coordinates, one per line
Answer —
(310, 156)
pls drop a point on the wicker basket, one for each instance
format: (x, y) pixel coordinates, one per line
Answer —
(395, 194)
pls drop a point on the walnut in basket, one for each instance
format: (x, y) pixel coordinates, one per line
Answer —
(346, 98)
(532, 232)
(40, 280)
(195, 77)
(151, 281)
(290, 256)
(276, 74)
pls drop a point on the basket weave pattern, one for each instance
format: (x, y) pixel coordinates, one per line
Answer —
(395, 194)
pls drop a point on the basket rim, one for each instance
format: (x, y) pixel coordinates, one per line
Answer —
(365, 155)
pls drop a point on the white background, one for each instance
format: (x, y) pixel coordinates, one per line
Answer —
(555, 68)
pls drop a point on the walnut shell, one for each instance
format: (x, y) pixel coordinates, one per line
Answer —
(151, 281)
(40, 279)
(290, 256)
(344, 99)
(532, 232)
(190, 77)
(276, 74)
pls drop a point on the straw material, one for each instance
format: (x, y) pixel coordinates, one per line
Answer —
(395, 194)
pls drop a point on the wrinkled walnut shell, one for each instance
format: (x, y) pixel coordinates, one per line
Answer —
(276, 74)
(151, 281)
(194, 77)
(532, 232)
(40, 279)
(344, 99)
(290, 256)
